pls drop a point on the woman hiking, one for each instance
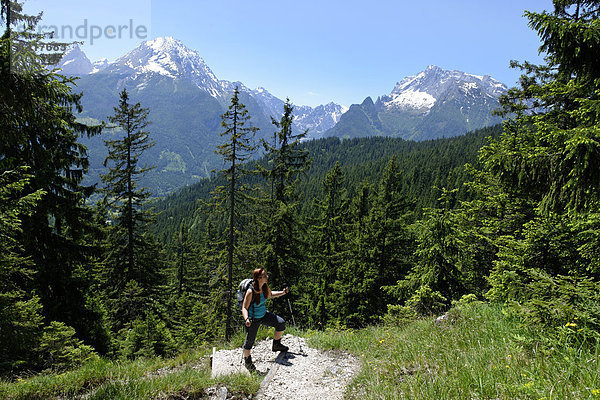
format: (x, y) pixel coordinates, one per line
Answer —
(255, 314)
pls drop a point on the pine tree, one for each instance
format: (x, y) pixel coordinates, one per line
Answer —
(390, 244)
(282, 242)
(236, 150)
(40, 131)
(133, 254)
(330, 246)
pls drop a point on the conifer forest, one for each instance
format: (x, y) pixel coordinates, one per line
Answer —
(363, 231)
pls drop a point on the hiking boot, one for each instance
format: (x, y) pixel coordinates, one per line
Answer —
(277, 346)
(249, 364)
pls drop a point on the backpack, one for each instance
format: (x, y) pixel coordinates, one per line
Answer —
(241, 293)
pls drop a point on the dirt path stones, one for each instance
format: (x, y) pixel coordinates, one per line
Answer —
(301, 373)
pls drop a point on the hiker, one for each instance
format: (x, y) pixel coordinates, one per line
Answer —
(255, 314)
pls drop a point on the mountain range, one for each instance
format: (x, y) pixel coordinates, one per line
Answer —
(186, 100)
(170, 58)
(433, 104)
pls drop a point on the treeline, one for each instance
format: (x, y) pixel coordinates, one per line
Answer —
(426, 167)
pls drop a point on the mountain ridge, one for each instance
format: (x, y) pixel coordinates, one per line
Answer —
(186, 100)
(434, 103)
(169, 57)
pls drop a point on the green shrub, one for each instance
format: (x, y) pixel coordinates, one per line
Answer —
(465, 300)
(398, 315)
(60, 349)
(147, 338)
(21, 328)
(563, 304)
(427, 301)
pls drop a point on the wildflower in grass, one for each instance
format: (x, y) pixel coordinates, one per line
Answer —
(579, 330)
(382, 340)
(596, 392)
(571, 324)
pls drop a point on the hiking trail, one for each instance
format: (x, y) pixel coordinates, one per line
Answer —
(302, 373)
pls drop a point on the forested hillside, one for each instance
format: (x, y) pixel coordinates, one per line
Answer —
(363, 232)
(426, 167)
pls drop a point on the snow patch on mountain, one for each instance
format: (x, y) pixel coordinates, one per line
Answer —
(317, 120)
(412, 99)
(99, 65)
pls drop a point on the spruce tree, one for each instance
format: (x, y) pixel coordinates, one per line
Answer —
(40, 131)
(211, 281)
(182, 265)
(438, 255)
(357, 273)
(238, 148)
(330, 247)
(548, 159)
(389, 240)
(287, 161)
(549, 149)
(17, 307)
(134, 261)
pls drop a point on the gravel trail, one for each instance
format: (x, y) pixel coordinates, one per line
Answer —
(303, 373)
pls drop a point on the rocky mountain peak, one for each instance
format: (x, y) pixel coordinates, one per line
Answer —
(75, 63)
(434, 103)
(420, 92)
(99, 65)
(170, 58)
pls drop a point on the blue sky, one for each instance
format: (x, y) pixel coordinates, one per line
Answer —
(313, 51)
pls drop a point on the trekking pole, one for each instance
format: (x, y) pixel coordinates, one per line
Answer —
(295, 327)
(292, 313)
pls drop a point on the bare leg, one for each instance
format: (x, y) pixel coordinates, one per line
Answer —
(278, 335)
